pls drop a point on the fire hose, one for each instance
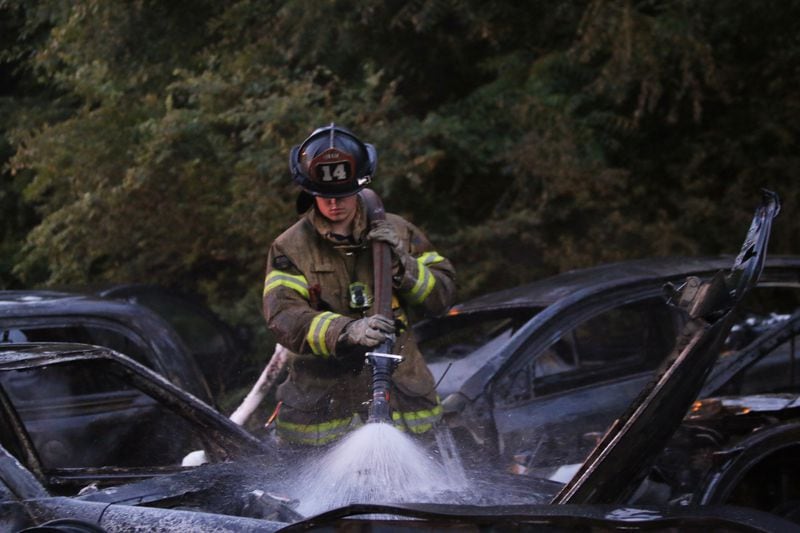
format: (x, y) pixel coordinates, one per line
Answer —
(381, 359)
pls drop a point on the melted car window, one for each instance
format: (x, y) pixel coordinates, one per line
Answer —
(777, 371)
(616, 336)
(459, 345)
(611, 345)
(465, 337)
(767, 300)
(78, 415)
(640, 334)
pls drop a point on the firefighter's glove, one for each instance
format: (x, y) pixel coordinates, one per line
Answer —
(368, 332)
(383, 230)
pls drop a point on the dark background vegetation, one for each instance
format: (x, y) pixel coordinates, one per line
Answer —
(147, 141)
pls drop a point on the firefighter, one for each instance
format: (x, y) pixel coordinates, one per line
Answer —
(318, 297)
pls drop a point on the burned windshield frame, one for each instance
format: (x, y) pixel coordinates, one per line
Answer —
(94, 412)
(456, 336)
(58, 405)
(80, 330)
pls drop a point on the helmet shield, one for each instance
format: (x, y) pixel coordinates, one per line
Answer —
(333, 166)
(332, 162)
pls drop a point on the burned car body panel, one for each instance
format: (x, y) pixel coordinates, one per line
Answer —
(735, 450)
(24, 503)
(122, 518)
(564, 517)
(748, 468)
(49, 316)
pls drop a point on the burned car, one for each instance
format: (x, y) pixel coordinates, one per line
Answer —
(76, 418)
(51, 316)
(666, 460)
(534, 376)
(567, 354)
(76, 412)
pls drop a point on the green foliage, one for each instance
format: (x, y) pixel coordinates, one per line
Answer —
(525, 138)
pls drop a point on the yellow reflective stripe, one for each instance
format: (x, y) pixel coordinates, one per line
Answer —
(279, 278)
(425, 280)
(422, 287)
(399, 314)
(417, 421)
(316, 333)
(430, 258)
(314, 434)
(403, 319)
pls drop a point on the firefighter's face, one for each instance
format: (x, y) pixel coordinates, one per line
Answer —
(337, 209)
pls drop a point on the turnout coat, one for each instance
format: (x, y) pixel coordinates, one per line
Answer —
(316, 283)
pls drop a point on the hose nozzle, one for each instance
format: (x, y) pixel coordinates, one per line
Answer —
(383, 365)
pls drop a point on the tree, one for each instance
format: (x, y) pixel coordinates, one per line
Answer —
(525, 138)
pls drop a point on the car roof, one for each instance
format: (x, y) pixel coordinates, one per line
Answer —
(547, 291)
(23, 303)
(172, 356)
